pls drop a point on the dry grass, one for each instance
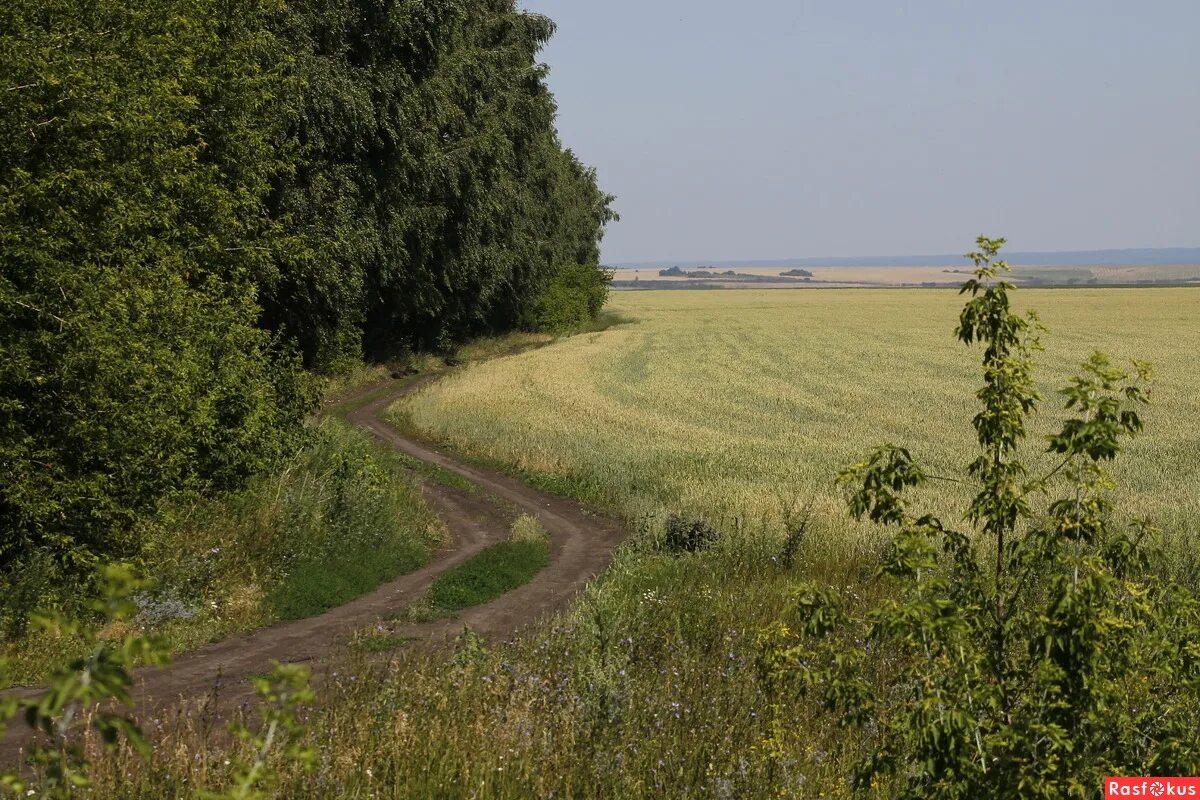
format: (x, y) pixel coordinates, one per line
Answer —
(742, 406)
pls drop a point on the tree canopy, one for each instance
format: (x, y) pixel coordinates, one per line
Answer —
(201, 198)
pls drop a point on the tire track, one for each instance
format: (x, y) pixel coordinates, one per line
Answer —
(581, 545)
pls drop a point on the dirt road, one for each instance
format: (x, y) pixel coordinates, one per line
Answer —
(582, 544)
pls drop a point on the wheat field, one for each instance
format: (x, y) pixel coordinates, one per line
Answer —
(740, 406)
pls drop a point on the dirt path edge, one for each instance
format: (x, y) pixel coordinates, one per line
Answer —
(581, 546)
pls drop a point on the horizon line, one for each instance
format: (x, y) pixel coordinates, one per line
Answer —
(1103, 256)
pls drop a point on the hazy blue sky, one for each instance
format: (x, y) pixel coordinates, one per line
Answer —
(782, 128)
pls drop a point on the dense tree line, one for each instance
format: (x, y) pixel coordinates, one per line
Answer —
(435, 200)
(201, 198)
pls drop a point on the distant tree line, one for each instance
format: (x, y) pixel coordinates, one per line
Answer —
(204, 201)
(729, 274)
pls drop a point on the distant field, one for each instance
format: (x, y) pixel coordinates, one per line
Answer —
(835, 277)
(740, 405)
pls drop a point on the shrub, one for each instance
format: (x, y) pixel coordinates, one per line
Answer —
(139, 142)
(686, 535)
(561, 308)
(1032, 658)
(575, 295)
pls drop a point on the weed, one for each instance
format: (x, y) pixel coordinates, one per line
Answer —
(380, 641)
(527, 528)
(684, 535)
(420, 613)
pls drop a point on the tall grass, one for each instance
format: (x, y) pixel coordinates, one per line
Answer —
(648, 687)
(340, 518)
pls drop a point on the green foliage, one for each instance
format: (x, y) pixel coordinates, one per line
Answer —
(74, 691)
(575, 295)
(432, 200)
(197, 198)
(138, 146)
(687, 535)
(560, 308)
(280, 696)
(1062, 661)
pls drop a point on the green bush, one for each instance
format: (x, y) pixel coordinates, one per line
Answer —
(687, 535)
(133, 236)
(576, 295)
(561, 308)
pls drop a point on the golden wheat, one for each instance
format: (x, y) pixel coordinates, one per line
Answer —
(741, 405)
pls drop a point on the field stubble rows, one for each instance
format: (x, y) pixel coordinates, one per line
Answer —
(742, 406)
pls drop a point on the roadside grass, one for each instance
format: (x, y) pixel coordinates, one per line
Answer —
(344, 409)
(647, 687)
(425, 470)
(495, 570)
(340, 517)
(319, 584)
(379, 641)
(358, 524)
(576, 486)
(420, 612)
(341, 384)
(435, 473)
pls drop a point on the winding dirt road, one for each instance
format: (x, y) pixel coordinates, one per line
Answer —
(582, 544)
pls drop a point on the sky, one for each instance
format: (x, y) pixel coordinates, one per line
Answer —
(786, 128)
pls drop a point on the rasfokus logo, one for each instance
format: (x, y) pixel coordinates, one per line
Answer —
(1151, 787)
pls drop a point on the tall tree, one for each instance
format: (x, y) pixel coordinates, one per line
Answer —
(136, 147)
(433, 196)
